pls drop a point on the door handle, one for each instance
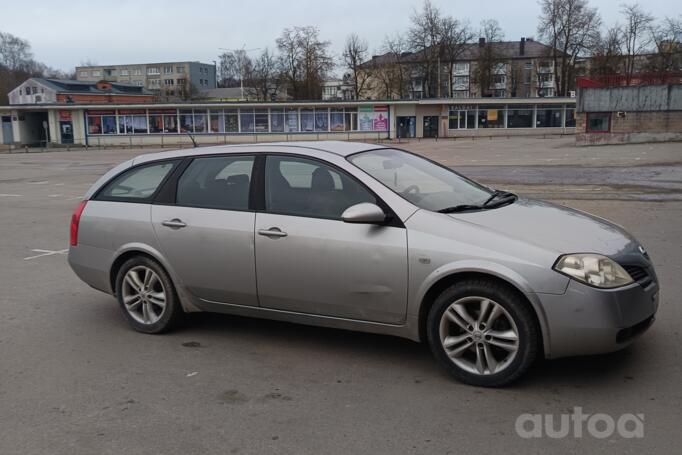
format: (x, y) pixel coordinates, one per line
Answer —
(174, 223)
(272, 232)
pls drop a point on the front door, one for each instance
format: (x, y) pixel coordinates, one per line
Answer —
(7, 136)
(431, 126)
(207, 234)
(66, 129)
(309, 261)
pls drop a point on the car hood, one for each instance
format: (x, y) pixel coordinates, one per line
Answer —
(561, 229)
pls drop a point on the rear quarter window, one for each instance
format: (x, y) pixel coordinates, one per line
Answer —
(138, 184)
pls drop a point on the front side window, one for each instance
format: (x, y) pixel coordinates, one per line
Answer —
(139, 183)
(220, 182)
(423, 183)
(303, 187)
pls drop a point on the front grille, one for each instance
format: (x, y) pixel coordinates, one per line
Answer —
(639, 274)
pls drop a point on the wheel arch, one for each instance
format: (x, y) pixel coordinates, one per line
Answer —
(446, 280)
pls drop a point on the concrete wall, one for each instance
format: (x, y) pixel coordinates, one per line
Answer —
(644, 98)
(634, 127)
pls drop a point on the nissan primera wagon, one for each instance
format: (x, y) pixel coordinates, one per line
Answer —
(362, 237)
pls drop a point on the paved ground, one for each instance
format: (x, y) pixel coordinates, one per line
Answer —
(75, 380)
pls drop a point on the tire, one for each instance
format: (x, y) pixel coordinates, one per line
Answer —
(489, 350)
(146, 313)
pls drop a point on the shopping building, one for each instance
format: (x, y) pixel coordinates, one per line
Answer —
(183, 124)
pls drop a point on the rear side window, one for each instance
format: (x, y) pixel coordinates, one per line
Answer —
(137, 184)
(220, 182)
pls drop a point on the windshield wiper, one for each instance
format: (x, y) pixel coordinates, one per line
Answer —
(461, 208)
(498, 194)
(504, 197)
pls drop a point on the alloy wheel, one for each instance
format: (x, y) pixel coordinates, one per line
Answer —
(479, 335)
(144, 296)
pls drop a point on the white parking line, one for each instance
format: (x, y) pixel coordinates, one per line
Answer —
(9, 195)
(42, 182)
(45, 253)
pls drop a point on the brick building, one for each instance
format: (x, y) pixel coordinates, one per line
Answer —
(610, 113)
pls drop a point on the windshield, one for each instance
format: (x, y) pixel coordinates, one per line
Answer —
(423, 183)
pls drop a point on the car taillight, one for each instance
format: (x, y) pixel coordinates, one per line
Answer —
(75, 220)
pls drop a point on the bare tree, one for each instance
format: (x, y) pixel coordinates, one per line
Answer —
(570, 28)
(454, 35)
(233, 66)
(424, 38)
(306, 61)
(265, 78)
(354, 55)
(488, 58)
(15, 52)
(668, 49)
(635, 35)
(607, 56)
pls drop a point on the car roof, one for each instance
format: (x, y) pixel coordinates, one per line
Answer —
(341, 148)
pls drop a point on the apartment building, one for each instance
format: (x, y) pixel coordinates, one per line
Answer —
(171, 80)
(510, 69)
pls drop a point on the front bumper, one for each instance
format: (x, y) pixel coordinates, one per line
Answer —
(587, 320)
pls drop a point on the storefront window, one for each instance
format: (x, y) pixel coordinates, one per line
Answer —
(261, 121)
(471, 118)
(307, 120)
(351, 118)
(247, 122)
(217, 122)
(520, 117)
(321, 119)
(156, 123)
(570, 117)
(95, 125)
(200, 121)
(549, 117)
(491, 117)
(170, 123)
(291, 125)
(186, 121)
(277, 120)
(231, 121)
(109, 124)
(336, 120)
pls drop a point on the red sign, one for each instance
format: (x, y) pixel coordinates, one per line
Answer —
(131, 112)
(100, 112)
(380, 108)
(65, 116)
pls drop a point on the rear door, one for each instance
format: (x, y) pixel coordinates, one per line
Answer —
(206, 229)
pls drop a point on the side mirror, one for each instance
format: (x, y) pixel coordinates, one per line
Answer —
(365, 213)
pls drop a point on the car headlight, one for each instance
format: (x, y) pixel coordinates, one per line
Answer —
(593, 269)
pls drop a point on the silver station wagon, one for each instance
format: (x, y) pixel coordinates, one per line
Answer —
(362, 237)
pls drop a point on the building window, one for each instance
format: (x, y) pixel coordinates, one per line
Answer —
(153, 70)
(544, 78)
(168, 82)
(125, 72)
(261, 121)
(231, 120)
(180, 69)
(83, 74)
(500, 68)
(461, 69)
(499, 93)
(137, 72)
(96, 73)
(543, 92)
(247, 121)
(167, 69)
(109, 72)
(520, 117)
(136, 123)
(460, 83)
(598, 122)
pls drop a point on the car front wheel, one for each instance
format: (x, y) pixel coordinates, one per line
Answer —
(483, 332)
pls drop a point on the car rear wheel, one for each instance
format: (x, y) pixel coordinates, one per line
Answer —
(482, 332)
(146, 296)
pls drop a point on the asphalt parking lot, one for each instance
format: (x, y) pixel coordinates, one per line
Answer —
(74, 379)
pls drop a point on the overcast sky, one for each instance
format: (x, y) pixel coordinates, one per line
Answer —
(64, 34)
